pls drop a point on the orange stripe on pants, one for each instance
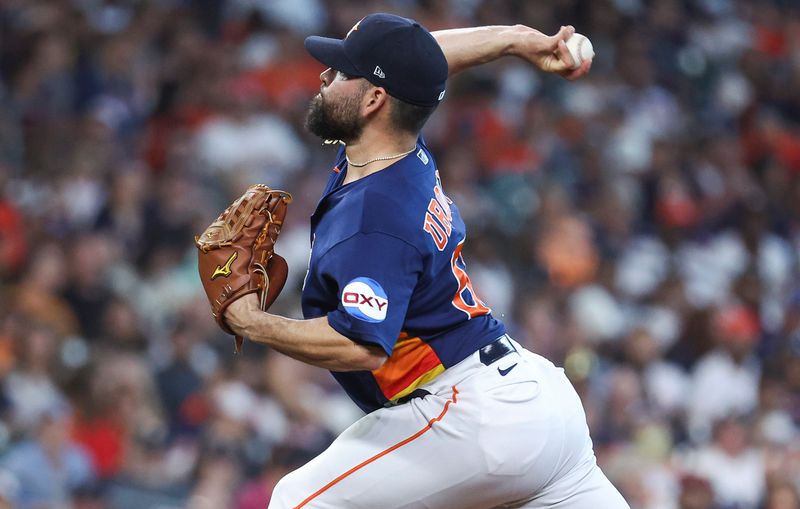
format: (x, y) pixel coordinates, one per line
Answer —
(383, 453)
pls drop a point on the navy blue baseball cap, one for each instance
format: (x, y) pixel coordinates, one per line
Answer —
(389, 51)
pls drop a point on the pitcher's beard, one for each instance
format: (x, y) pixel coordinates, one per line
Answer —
(334, 122)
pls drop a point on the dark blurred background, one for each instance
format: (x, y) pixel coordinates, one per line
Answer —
(639, 227)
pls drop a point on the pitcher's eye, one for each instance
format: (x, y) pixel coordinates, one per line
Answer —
(342, 76)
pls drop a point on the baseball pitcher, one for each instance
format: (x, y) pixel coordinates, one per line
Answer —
(458, 415)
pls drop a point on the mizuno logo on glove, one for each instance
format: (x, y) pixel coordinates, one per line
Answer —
(224, 270)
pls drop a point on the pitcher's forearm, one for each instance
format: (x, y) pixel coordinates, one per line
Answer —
(311, 341)
(468, 47)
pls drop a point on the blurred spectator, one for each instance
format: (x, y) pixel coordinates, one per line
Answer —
(152, 475)
(664, 383)
(180, 387)
(782, 496)
(733, 465)
(566, 249)
(40, 299)
(49, 467)
(696, 493)
(13, 244)
(30, 388)
(725, 380)
(249, 140)
(87, 290)
(259, 491)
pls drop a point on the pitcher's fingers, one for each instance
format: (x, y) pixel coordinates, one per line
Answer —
(565, 32)
(564, 56)
(574, 74)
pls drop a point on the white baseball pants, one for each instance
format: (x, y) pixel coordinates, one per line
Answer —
(480, 440)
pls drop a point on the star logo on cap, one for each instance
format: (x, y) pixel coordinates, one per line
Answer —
(355, 28)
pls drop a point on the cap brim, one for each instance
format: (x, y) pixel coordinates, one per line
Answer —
(330, 52)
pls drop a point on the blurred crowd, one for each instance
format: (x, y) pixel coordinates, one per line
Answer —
(639, 227)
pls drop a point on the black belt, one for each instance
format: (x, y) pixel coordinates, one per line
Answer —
(496, 350)
(488, 354)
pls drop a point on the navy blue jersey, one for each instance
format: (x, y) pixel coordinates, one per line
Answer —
(386, 269)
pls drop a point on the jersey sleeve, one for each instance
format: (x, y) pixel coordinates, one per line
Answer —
(375, 275)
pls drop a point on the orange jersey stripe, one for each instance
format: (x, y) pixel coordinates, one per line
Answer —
(453, 400)
(411, 359)
(425, 378)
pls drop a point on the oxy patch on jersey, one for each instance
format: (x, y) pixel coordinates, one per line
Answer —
(365, 299)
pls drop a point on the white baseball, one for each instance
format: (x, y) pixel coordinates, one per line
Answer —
(580, 47)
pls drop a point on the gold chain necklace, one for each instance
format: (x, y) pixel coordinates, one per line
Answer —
(384, 158)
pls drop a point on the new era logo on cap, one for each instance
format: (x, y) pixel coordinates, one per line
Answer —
(379, 72)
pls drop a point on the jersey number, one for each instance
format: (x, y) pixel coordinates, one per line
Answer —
(465, 299)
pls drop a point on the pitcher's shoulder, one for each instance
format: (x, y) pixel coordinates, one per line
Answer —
(398, 212)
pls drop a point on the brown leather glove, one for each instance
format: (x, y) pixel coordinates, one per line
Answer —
(236, 254)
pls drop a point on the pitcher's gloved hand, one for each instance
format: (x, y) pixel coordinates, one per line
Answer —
(236, 252)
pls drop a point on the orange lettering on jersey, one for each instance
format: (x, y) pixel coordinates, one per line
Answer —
(436, 232)
(439, 217)
(438, 212)
(444, 201)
